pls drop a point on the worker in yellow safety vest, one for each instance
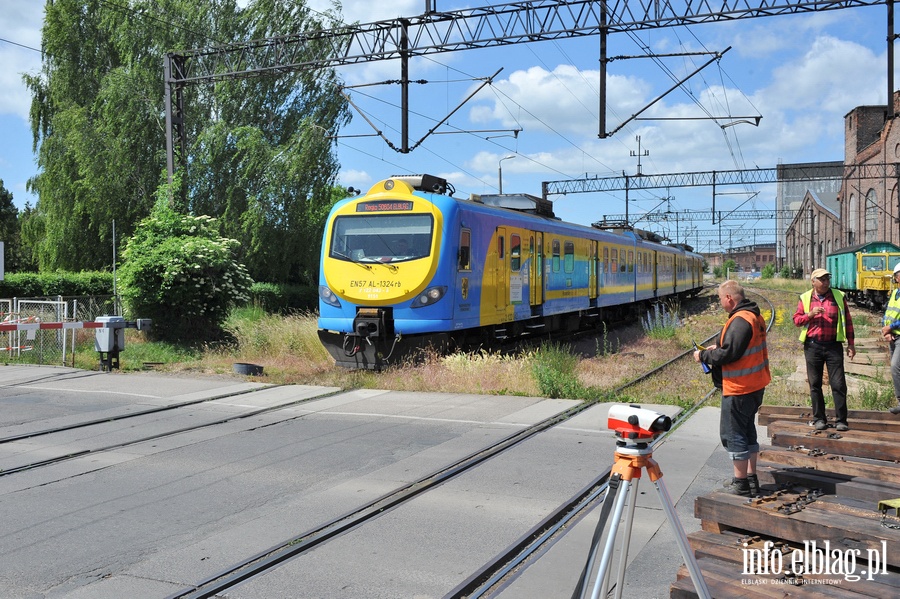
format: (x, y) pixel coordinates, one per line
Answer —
(890, 330)
(826, 325)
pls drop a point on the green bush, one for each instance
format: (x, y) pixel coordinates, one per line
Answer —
(768, 271)
(181, 273)
(69, 284)
(282, 299)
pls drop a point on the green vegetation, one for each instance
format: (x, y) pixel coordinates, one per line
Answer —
(259, 153)
(663, 322)
(182, 274)
(876, 397)
(727, 268)
(554, 370)
(30, 284)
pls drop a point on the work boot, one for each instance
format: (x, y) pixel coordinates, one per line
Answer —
(738, 486)
(895, 409)
(753, 483)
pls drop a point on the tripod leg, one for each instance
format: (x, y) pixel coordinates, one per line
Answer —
(608, 501)
(626, 539)
(611, 538)
(686, 552)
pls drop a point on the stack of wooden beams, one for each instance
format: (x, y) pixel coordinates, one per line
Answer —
(825, 525)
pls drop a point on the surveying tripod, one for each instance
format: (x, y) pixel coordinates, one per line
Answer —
(624, 479)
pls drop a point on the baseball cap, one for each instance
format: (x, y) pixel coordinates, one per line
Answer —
(819, 273)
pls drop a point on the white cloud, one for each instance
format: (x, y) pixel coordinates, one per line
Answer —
(20, 24)
(564, 100)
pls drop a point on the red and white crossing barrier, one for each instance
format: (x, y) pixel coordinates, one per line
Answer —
(36, 326)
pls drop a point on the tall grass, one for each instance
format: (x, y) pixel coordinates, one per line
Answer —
(258, 333)
(662, 322)
(553, 368)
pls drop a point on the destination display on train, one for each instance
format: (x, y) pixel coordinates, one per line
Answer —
(384, 206)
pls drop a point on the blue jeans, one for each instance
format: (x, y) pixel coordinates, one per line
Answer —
(737, 424)
(818, 357)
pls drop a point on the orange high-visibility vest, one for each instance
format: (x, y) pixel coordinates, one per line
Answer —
(751, 372)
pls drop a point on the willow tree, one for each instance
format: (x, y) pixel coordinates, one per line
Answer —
(98, 119)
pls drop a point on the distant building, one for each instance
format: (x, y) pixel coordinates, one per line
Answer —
(868, 197)
(714, 259)
(814, 233)
(751, 258)
(791, 192)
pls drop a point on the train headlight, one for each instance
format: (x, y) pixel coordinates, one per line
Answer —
(328, 296)
(429, 296)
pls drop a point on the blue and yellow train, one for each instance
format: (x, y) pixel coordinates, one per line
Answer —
(406, 266)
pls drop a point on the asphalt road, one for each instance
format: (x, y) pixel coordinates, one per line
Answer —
(150, 505)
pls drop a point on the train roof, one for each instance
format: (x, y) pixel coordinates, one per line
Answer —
(522, 202)
(868, 247)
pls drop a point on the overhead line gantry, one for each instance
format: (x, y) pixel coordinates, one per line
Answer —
(436, 32)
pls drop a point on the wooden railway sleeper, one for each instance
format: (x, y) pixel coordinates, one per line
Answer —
(793, 578)
(826, 434)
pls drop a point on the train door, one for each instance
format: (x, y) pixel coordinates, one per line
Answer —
(536, 243)
(592, 275)
(501, 277)
(654, 268)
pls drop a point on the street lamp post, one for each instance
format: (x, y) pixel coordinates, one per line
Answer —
(500, 170)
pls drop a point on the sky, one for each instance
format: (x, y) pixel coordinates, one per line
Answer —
(801, 73)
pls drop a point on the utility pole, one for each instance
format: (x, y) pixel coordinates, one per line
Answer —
(639, 155)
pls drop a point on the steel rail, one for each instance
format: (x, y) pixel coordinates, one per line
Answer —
(84, 452)
(290, 548)
(77, 425)
(499, 572)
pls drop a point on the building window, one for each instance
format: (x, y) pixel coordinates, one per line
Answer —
(871, 216)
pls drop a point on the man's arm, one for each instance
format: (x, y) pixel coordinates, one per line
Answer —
(734, 344)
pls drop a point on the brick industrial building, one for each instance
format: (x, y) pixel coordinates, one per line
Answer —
(866, 207)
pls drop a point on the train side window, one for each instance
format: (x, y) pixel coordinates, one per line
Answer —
(555, 255)
(630, 261)
(515, 252)
(501, 247)
(465, 250)
(615, 260)
(570, 256)
(893, 259)
(606, 261)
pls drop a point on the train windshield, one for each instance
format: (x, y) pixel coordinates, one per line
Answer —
(381, 237)
(873, 263)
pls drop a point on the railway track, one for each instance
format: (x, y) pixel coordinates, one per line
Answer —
(15, 459)
(487, 578)
(306, 538)
(494, 575)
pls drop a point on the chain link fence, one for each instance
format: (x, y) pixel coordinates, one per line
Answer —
(53, 346)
